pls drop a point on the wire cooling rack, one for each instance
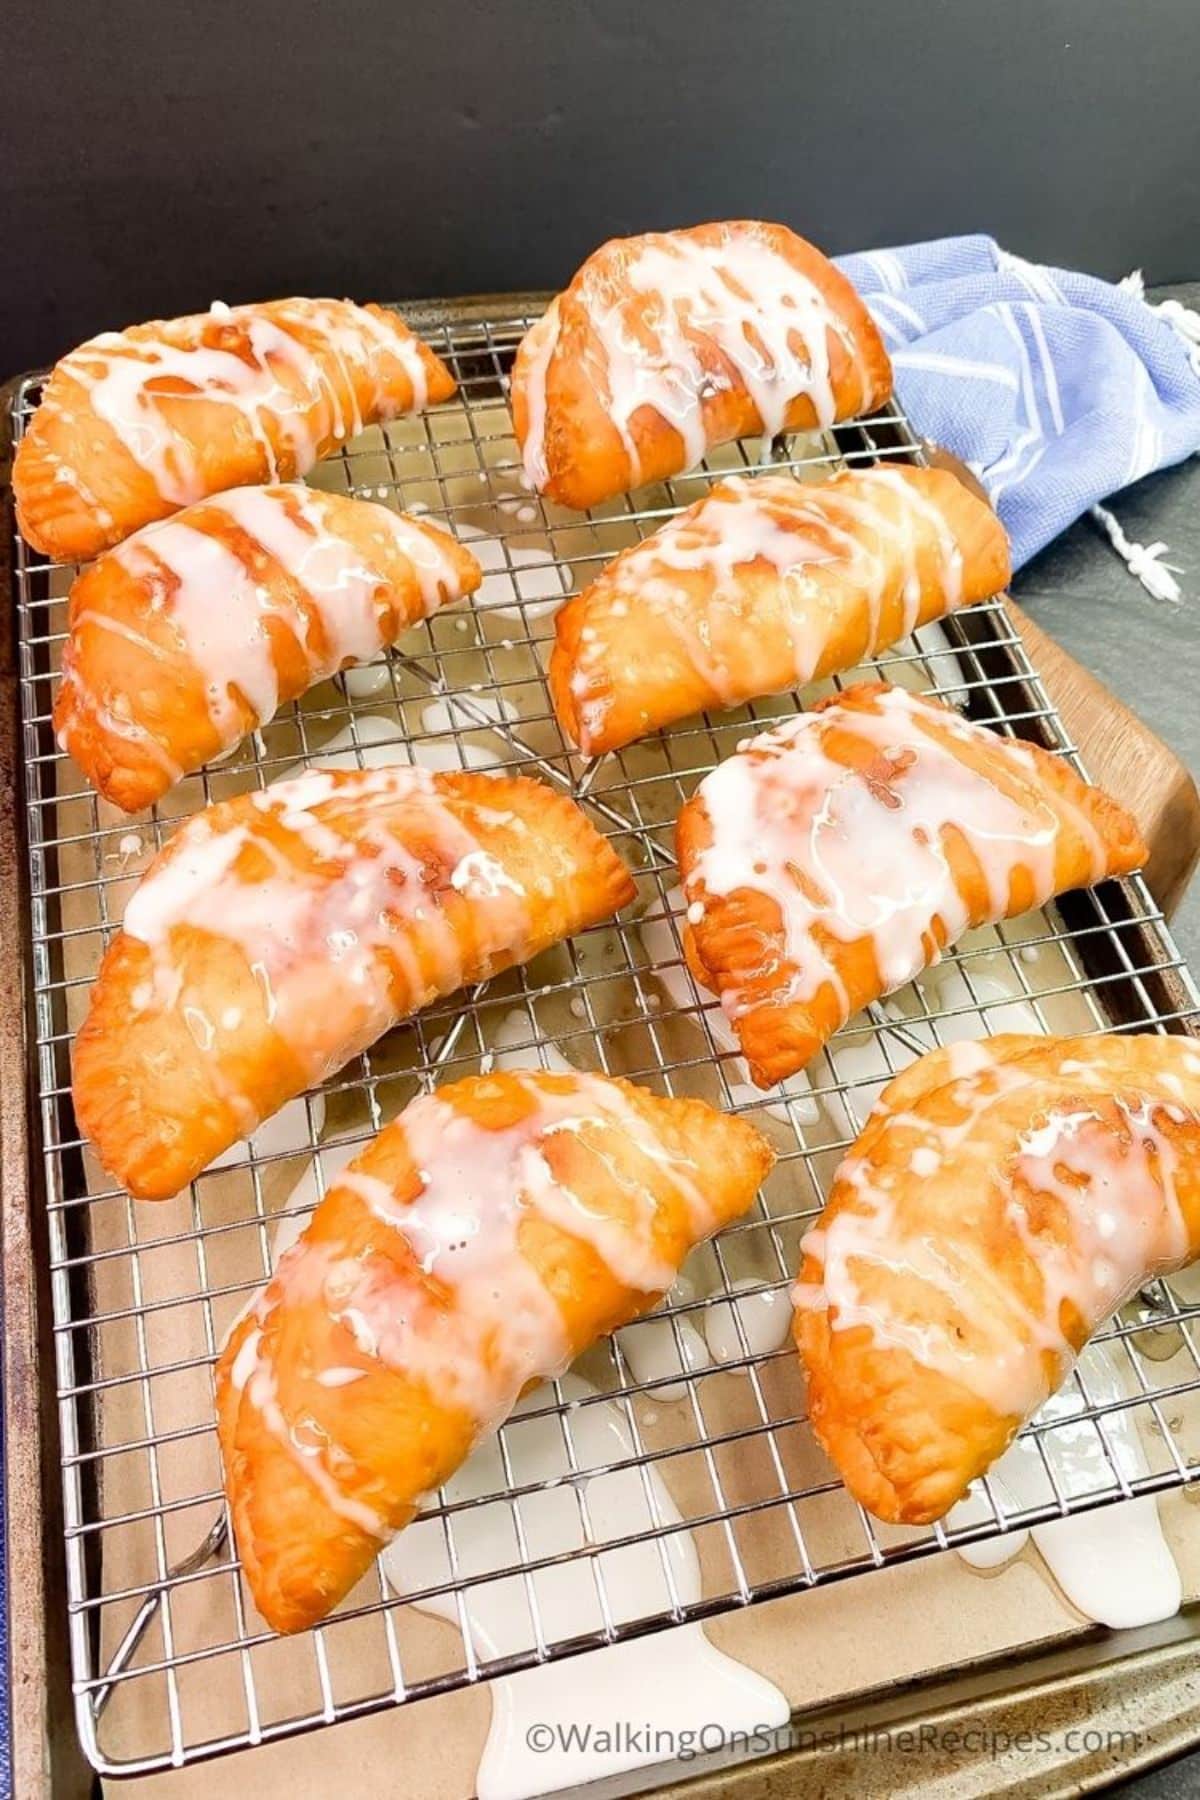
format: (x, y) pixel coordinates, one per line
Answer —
(671, 1476)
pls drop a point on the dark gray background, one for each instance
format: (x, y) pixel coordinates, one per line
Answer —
(154, 156)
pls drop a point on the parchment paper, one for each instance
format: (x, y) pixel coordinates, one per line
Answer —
(162, 1300)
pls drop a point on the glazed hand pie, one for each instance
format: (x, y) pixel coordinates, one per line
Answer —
(666, 345)
(1004, 1199)
(281, 933)
(135, 424)
(195, 630)
(834, 857)
(484, 1240)
(762, 585)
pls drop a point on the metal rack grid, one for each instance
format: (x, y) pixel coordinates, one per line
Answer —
(720, 1484)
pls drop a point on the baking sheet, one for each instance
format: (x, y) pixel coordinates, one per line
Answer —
(167, 1280)
(828, 1645)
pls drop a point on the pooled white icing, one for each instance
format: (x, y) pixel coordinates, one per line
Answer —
(460, 739)
(1113, 1564)
(369, 680)
(314, 902)
(944, 666)
(670, 291)
(672, 1683)
(377, 740)
(515, 1047)
(520, 581)
(457, 712)
(856, 853)
(373, 741)
(981, 998)
(659, 1349)
(753, 1320)
(124, 377)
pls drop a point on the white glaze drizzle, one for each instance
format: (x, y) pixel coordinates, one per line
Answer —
(657, 1346)
(340, 582)
(860, 854)
(496, 1327)
(542, 341)
(220, 605)
(112, 715)
(253, 1374)
(119, 372)
(306, 919)
(1114, 1221)
(739, 293)
(792, 526)
(219, 612)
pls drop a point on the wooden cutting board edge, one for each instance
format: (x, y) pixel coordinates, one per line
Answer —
(1124, 756)
(1119, 753)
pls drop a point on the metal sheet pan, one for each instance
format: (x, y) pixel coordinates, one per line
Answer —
(767, 1514)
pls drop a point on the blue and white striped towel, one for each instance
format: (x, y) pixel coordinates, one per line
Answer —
(1056, 388)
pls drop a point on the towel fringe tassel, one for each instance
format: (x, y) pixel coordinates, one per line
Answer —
(1183, 320)
(1142, 560)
